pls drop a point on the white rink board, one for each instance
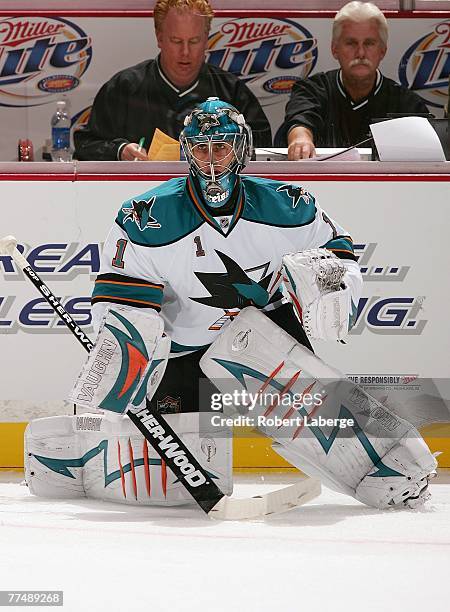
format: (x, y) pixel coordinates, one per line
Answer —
(403, 226)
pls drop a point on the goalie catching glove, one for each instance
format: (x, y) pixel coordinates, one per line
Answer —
(325, 292)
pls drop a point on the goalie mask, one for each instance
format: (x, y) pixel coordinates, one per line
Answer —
(217, 143)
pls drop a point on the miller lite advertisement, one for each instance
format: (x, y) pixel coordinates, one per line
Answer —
(269, 55)
(425, 66)
(41, 58)
(44, 59)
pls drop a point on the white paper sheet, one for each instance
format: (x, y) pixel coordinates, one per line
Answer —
(407, 139)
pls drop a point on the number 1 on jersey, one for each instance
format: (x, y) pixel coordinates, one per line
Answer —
(117, 261)
(200, 251)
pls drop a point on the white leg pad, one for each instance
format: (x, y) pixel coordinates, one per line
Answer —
(90, 456)
(347, 438)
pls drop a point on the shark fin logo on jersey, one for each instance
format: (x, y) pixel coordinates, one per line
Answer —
(139, 212)
(296, 193)
(233, 288)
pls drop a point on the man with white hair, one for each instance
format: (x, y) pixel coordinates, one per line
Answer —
(335, 108)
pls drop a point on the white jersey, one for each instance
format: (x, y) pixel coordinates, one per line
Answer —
(165, 251)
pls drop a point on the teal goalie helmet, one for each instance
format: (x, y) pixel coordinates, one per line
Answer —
(217, 143)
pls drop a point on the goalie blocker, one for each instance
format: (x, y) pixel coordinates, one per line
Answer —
(329, 427)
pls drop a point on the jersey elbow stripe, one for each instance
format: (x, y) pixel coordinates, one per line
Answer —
(131, 293)
(337, 250)
(122, 284)
(114, 299)
(122, 279)
(341, 254)
(342, 247)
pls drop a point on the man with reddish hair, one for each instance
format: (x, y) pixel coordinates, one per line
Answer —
(159, 93)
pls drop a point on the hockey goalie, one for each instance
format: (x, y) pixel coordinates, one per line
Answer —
(232, 277)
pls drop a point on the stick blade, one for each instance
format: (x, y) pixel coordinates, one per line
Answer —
(7, 245)
(281, 500)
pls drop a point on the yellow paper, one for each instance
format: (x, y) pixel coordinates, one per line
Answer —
(163, 147)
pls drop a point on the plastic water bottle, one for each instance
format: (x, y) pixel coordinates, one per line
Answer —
(60, 123)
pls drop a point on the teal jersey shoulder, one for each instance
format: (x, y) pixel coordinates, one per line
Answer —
(160, 216)
(275, 203)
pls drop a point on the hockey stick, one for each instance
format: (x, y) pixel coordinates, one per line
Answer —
(204, 491)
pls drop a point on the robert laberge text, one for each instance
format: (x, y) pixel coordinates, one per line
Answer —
(218, 420)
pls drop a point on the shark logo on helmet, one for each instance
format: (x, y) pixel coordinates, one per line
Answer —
(206, 121)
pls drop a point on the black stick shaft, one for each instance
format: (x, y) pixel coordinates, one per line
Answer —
(58, 308)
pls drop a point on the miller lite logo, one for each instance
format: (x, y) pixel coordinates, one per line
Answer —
(39, 58)
(425, 67)
(271, 54)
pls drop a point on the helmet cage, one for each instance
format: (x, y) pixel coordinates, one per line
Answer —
(214, 156)
(217, 144)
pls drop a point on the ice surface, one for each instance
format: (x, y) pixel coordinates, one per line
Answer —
(333, 554)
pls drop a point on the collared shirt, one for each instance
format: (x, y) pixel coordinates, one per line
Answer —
(322, 104)
(139, 99)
